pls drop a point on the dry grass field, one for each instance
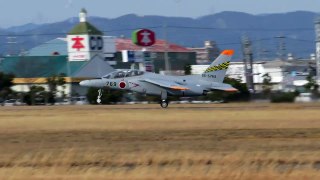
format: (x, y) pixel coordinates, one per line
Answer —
(217, 141)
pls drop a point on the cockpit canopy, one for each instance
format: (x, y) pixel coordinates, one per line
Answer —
(123, 73)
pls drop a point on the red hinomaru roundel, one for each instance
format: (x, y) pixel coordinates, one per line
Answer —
(122, 84)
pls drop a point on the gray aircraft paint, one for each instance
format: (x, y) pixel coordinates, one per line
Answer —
(157, 84)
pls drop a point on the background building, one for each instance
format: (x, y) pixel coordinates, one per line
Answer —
(286, 75)
(206, 54)
(86, 53)
(79, 56)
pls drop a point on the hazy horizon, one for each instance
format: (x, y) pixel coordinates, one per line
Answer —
(262, 14)
(17, 12)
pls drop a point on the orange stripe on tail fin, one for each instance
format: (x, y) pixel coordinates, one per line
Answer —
(228, 52)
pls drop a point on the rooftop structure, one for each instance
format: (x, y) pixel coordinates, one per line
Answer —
(159, 46)
(84, 27)
(59, 46)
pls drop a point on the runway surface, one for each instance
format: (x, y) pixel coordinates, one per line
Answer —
(204, 141)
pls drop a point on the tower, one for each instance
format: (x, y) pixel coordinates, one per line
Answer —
(84, 40)
(248, 62)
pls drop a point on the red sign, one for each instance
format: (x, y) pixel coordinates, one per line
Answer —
(77, 43)
(144, 37)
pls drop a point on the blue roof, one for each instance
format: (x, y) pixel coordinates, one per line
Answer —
(49, 48)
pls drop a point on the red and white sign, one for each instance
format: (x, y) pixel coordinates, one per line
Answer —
(83, 47)
(78, 47)
(78, 43)
(145, 37)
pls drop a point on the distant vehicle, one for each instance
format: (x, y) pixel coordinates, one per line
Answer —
(79, 100)
(304, 97)
(10, 102)
(163, 85)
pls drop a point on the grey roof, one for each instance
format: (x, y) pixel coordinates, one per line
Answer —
(96, 67)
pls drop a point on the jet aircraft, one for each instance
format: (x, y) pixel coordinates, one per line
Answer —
(164, 85)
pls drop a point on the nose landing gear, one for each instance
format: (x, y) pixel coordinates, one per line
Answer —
(99, 96)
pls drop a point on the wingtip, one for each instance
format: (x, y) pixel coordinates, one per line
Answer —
(228, 52)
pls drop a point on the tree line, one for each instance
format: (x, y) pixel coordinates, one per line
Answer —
(38, 95)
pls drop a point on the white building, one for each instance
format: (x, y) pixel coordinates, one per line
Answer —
(285, 75)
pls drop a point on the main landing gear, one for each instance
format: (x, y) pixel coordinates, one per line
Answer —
(164, 102)
(99, 96)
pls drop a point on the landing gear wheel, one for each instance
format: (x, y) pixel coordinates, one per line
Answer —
(99, 96)
(164, 104)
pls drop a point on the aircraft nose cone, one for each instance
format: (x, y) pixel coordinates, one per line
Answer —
(92, 83)
(84, 83)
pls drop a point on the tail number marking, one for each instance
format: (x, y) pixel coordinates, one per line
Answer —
(111, 84)
(209, 75)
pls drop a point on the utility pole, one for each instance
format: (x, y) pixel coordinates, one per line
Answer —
(166, 56)
(286, 80)
(69, 76)
(281, 47)
(248, 62)
(317, 30)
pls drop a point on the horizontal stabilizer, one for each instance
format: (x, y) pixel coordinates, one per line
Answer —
(227, 89)
(223, 87)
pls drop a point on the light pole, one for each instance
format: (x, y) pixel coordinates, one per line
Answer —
(317, 31)
(70, 79)
(166, 56)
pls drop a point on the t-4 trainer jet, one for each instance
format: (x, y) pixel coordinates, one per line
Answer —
(163, 85)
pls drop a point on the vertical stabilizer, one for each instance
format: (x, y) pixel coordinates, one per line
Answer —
(218, 68)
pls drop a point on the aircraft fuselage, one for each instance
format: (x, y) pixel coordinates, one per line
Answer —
(195, 87)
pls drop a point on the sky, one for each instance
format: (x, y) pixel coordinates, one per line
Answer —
(18, 12)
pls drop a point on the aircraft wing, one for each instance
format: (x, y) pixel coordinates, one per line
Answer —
(165, 84)
(223, 87)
